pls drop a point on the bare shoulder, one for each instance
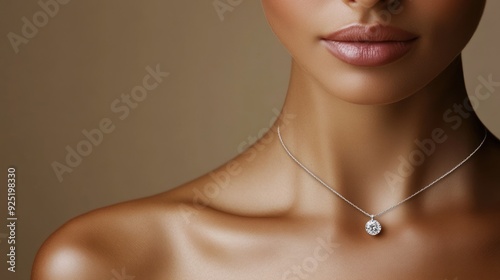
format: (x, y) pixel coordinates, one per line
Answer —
(143, 237)
(113, 242)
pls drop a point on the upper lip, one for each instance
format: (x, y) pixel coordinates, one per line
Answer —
(371, 33)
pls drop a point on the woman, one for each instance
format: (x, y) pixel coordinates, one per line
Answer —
(377, 167)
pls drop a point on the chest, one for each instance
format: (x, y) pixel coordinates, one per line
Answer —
(323, 257)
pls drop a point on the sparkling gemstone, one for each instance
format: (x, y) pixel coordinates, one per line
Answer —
(373, 227)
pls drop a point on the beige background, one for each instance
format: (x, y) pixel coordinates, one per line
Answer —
(227, 79)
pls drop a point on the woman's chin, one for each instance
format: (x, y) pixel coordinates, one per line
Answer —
(371, 95)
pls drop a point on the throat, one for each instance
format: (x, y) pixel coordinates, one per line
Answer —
(375, 179)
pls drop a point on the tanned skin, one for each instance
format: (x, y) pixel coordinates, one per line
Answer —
(261, 216)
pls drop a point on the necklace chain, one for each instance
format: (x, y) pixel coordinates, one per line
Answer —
(394, 206)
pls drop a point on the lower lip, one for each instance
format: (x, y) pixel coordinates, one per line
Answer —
(368, 53)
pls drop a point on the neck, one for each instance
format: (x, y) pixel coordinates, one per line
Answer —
(376, 155)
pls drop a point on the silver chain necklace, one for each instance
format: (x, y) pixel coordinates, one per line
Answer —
(373, 226)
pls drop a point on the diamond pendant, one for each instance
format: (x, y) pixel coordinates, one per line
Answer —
(373, 227)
